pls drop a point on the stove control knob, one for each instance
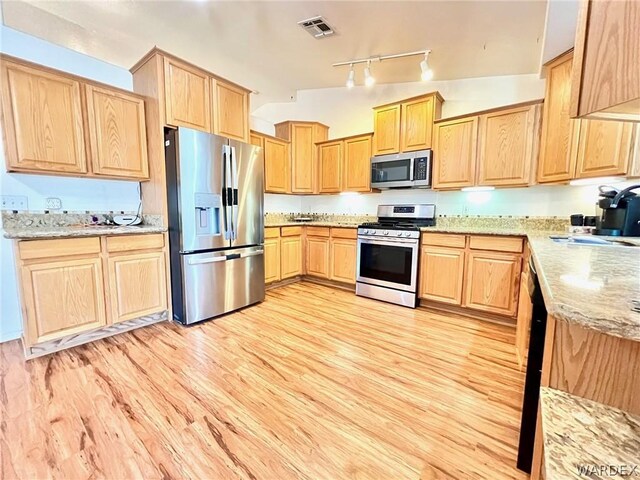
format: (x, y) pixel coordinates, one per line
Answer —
(407, 234)
(386, 232)
(400, 233)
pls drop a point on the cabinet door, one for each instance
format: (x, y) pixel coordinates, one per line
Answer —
(441, 274)
(302, 158)
(493, 282)
(290, 256)
(508, 146)
(417, 124)
(356, 171)
(318, 256)
(257, 140)
(525, 313)
(329, 167)
(386, 130)
(62, 298)
(276, 166)
(271, 260)
(42, 121)
(137, 285)
(231, 111)
(187, 96)
(117, 133)
(343, 260)
(559, 138)
(454, 162)
(605, 148)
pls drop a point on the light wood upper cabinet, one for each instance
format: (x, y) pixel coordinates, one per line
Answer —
(43, 122)
(455, 153)
(558, 142)
(330, 165)
(356, 166)
(317, 256)
(441, 274)
(417, 124)
(231, 111)
(117, 133)
(343, 260)
(256, 139)
(137, 285)
(290, 256)
(303, 137)
(493, 282)
(276, 166)
(386, 127)
(606, 69)
(508, 146)
(187, 96)
(605, 148)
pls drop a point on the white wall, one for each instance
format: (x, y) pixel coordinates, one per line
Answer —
(77, 194)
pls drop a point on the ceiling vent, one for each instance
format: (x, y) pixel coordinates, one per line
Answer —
(317, 27)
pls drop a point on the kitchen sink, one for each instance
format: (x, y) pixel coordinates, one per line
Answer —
(591, 240)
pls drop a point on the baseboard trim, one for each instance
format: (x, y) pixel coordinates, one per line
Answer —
(69, 341)
(282, 283)
(467, 312)
(330, 283)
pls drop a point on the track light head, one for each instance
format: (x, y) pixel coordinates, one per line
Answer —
(351, 79)
(368, 78)
(426, 72)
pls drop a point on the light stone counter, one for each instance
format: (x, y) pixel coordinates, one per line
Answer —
(27, 233)
(583, 434)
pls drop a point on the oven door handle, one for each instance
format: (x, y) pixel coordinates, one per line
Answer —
(409, 242)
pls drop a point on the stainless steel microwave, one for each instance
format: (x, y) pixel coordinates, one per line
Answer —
(402, 170)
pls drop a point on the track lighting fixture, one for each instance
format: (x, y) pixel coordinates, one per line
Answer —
(368, 78)
(351, 79)
(426, 73)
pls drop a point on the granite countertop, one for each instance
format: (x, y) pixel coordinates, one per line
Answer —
(484, 230)
(25, 233)
(581, 433)
(591, 286)
(312, 223)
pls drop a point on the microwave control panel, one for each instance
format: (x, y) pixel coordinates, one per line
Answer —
(420, 168)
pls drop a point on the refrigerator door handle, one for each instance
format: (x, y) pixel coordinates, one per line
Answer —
(227, 199)
(234, 203)
(253, 253)
(222, 258)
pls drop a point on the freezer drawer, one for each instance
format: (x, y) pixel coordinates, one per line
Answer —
(214, 283)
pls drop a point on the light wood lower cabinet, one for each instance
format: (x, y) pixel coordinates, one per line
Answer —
(272, 255)
(441, 274)
(65, 283)
(290, 256)
(493, 282)
(136, 285)
(318, 256)
(343, 260)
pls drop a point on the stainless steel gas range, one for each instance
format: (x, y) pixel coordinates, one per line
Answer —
(388, 252)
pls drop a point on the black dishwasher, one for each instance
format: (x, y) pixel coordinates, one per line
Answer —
(533, 374)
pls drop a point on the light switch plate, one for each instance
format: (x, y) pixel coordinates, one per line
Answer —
(14, 202)
(54, 203)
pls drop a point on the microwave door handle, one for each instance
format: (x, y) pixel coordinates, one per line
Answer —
(226, 192)
(411, 165)
(234, 186)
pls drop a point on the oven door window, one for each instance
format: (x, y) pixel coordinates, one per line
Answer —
(387, 263)
(392, 171)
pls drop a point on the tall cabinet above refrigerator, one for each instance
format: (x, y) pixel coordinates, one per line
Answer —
(216, 224)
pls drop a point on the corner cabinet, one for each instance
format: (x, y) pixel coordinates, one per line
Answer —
(605, 80)
(406, 125)
(43, 120)
(75, 290)
(61, 124)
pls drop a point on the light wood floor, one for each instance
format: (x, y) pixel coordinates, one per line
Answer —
(314, 383)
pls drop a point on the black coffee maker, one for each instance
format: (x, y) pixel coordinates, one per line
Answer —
(618, 212)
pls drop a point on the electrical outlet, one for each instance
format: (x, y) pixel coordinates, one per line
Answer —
(14, 202)
(54, 203)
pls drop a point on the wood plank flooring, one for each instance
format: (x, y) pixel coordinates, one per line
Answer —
(314, 383)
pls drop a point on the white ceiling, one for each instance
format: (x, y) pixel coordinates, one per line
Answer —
(258, 44)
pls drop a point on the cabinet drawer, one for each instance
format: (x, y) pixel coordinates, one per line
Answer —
(135, 242)
(496, 244)
(444, 240)
(290, 231)
(61, 247)
(350, 233)
(273, 232)
(318, 231)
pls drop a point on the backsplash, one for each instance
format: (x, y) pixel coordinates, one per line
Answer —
(271, 218)
(11, 220)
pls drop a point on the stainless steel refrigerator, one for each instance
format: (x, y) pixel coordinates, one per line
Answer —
(216, 224)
